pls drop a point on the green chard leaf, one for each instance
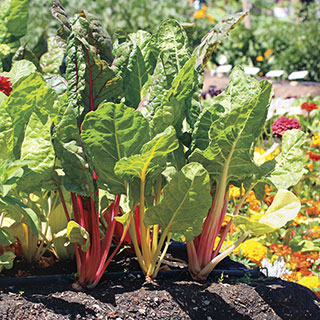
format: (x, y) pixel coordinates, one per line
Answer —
(212, 40)
(31, 112)
(185, 203)
(228, 156)
(51, 61)
(19, 69)
(10, 173)
(175, 101)
(69, 150)
(134, 77)
(10, 204)
(6, 134)
(90, 79)
(13, 19)
(152, 158)
(170, 45)
(110, 133)
(290, 162)
(98, 37)
(29, 95)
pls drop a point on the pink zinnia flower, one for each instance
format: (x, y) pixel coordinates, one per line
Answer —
(282, 124)
(5, 85)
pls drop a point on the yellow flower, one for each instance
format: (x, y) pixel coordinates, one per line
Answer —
(225, 221)
(311, 282)
(268, 52)
(316, 141)
(234, 192)
(253, 250)
(204, 7)
(259, 157)
(259, 58)
(199, 14)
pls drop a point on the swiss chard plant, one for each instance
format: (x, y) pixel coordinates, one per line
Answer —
(223, 140)
(138, 147)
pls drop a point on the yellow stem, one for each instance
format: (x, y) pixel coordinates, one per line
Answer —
(145, 245)
(132, 231)
(162, 255)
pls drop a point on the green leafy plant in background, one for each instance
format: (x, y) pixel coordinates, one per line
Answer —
(13, 26)
(252, 46)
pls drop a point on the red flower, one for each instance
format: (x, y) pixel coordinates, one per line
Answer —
(309, 106)
(282, 124)
(314, 156)
(5, 85)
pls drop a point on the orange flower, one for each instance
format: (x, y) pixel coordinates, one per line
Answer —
(280, 249)
(254, 203)
(210, 17)
(268, 52)
(259, 58)
(309, 106)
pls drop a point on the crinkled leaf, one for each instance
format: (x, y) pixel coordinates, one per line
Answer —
(185, 203)
(6, 134)
(200, 134)
(170, 45)
(60, 14)
(212, 40)
(290, 162)
(98, 37)
(175, 101)
(51, 61)
(228, 156)
(57, 83)
(38, 150)
(79, 235)
(30, 95)
(19, 69)
(134, 77)
(69, 149)
(110, 133)
(152, 157)
(10, 173)
(284, 208)
(90, 79)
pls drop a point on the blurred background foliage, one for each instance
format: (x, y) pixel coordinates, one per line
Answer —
(287, 42)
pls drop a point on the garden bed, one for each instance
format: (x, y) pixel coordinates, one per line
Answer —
(133, 298)
(232, 291)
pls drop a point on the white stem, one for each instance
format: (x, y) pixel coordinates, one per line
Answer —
(211, 265)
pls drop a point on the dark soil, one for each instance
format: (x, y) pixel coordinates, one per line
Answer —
(131, 297)
(174, 295)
